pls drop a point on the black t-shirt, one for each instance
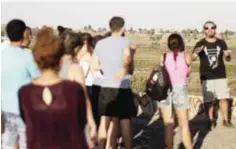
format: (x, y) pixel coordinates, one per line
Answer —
(211, 59)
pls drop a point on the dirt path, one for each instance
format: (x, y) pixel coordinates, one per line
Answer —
(152, 136)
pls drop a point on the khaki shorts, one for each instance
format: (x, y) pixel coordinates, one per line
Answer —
(215, 89)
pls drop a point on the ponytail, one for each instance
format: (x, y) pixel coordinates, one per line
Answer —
(175, 55)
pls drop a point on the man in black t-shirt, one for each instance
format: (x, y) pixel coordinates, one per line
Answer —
(211, 51)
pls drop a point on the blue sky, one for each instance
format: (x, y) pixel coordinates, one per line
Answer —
(170, 15)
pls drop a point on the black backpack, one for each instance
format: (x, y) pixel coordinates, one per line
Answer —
(158, 82)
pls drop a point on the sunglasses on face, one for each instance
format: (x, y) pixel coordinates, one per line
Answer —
(210, 28)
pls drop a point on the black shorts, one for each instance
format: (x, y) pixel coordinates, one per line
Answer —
(93, 93)
(115, 102)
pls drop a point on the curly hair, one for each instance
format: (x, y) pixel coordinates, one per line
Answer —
(47, 50)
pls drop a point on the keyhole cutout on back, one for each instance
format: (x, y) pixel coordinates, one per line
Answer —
(47, 96)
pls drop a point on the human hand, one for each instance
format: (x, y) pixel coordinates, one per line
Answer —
(92, 135)
(198, 50)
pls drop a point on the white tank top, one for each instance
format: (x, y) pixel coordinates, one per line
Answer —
(89, 77)
(87, 73)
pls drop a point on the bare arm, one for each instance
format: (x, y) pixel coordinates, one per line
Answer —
(194, 56)
(227, 52)
(161, 60)
(127, 60)
(95, 63)
(196, 52)
(188, 58)
(76, 74)
(132, 52)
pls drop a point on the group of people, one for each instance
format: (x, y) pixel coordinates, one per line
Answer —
(73, 91)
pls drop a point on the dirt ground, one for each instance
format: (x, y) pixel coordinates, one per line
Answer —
(152, 136)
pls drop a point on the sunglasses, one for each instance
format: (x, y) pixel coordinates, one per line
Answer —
(210, 28)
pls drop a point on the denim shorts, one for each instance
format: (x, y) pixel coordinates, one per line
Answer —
(177, 98)
(15, 131)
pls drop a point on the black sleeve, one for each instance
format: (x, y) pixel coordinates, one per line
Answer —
(223, 45)
(21, 104)
(198, 44)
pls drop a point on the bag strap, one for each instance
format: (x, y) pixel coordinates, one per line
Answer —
(89, 68)
(164, 59)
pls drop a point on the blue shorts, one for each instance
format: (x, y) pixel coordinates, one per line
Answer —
(15, 131)
(177, 97)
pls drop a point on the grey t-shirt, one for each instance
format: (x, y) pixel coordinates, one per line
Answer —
(110, 54)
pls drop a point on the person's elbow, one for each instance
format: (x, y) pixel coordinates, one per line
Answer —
(193, 58)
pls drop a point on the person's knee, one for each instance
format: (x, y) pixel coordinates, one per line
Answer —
(184, 127)
(168, 121)
(184, 124)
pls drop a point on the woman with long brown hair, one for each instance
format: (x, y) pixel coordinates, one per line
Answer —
(178, 65)
(70, 69)
(85, 59)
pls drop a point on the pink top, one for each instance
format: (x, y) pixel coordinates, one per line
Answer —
(178, 69)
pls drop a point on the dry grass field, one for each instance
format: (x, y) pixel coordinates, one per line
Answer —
(150, 47)
(148, 56)
(149, 131)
